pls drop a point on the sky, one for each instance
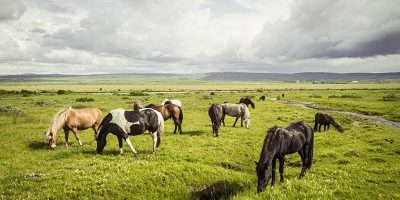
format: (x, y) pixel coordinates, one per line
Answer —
(199, 36)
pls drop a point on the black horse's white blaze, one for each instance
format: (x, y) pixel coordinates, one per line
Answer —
(123, 123)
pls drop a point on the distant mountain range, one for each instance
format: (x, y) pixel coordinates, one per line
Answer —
(225, 76)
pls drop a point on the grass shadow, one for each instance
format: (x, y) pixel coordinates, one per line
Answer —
(38, 145)
(194, 133)
(216, 191)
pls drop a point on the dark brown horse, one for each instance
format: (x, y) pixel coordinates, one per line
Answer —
(326, 120)
(170, 111)
(262, 98)
(215, 112)
(297, 137)
(247, 101)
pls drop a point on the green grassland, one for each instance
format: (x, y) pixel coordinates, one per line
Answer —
(362, 163)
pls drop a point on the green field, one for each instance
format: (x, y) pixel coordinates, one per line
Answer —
(361, 163)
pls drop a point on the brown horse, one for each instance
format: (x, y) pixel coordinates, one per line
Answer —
(74, 120)
(137, 105)
(170, 111)
(215, 112)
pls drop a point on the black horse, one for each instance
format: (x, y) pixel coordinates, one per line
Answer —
(123, 123)
(247, 101)
(297, 137)
(326, 120)
(262, 98)
(215, 112)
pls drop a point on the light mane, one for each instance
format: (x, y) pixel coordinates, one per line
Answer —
(58, 121)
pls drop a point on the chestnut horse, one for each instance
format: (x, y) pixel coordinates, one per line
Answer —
(170, 111)
(74, 120)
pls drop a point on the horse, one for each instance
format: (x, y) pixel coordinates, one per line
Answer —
(215, 112)
(297, 137)
(262, 98)
(247, 101)
(326, 120)
(123, 123)
(236, 110)
(74, 120)
(137, 105)
(172, 101)
(170, 111)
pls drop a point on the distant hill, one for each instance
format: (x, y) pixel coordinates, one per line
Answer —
(220, 76)
(309, 76)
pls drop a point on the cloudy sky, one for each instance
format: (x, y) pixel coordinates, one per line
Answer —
(196, 36)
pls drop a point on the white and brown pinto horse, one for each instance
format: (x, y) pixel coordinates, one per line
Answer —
(173, 101)
(122, 123)
(74, 120)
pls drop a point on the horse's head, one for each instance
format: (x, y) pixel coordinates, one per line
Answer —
(263, 174)
(52, 138)
(101, 142)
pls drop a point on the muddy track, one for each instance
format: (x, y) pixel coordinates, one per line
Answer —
(377, 120)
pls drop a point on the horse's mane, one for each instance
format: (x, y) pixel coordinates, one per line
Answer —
(268, 142)
(59, 120)
(332, 121)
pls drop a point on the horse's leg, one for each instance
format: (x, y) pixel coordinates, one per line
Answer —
(131, 146)
(176, 122)
(281, 167)
(241, 121)
(75, 131)
(121, 151)
(223, 119)
(319, 129)
(95, 129)
(154, 136)
(303, 161)
(273, 170)
(234, 124)
(66, 132)
(328, 126)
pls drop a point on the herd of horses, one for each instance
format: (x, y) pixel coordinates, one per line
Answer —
(296, 137)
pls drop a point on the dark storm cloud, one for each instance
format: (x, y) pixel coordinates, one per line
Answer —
(333, 29)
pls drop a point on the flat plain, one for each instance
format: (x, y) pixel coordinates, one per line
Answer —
(361, 163)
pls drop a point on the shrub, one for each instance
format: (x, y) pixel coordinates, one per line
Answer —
(84, 99)
(61, 92)
(10, 110)
(314, 96)
(345, 96)
(390, 97)
(40, 103)
(138, 93)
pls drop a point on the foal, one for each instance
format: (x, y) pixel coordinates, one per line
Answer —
(326, 120)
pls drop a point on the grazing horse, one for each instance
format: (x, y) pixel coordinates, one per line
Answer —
(236, 110)
(215, 112)
(137, 106)
(326, 120)
(170, 111)
(297, 137)
(262, 98)
(123, 123)
(74, 120)
(172, 101)
(247, 101)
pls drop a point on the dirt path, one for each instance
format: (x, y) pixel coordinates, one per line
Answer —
(378, 120)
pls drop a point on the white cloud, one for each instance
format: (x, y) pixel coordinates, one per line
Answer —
(198, 36)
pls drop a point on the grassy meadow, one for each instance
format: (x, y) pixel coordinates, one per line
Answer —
(361, 163)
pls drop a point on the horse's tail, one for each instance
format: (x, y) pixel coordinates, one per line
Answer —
(103, 124)
(316, 122)
(180, 115)
(310, 152)
(160, 130)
